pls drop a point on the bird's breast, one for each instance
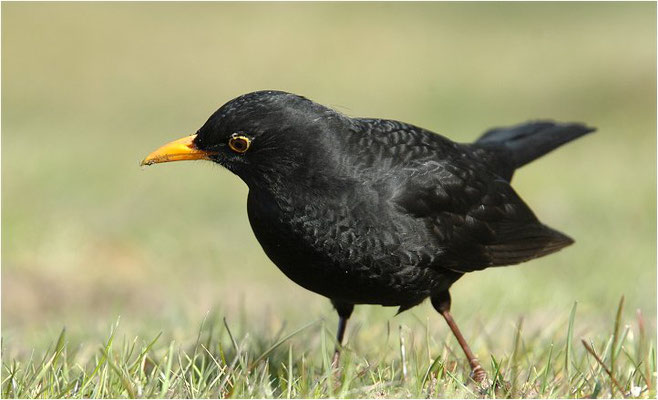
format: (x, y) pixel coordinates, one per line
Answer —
(342, 252)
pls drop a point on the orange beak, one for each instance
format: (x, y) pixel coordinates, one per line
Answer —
(178, 150)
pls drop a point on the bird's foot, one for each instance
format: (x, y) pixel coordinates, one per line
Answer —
(335, 360)
(479, 376)
(337, 372)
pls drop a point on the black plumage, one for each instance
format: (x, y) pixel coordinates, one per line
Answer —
(373, 211)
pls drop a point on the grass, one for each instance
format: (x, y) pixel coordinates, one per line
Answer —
(89, 88)
(224, 363)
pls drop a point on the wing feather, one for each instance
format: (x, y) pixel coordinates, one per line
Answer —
(477, 218)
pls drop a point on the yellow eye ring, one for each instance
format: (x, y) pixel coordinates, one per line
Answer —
(239, 144)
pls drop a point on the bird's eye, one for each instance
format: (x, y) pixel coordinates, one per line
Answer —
(239, 144)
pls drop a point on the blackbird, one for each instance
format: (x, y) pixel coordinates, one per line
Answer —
(376, 211)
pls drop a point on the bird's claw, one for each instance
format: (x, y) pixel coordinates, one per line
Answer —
(479, 376)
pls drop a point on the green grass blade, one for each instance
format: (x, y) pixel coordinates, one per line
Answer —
(547, 369)
(48, 362)
(125, 382)
(279, 343)
(166, 378)
(615, 341)
(290, 366)
(432, 368)
(103, 359)
(514, 359)
(569, 350)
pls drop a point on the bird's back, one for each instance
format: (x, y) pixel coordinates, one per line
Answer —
(460, 194)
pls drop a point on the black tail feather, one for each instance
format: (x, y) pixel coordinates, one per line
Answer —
(520, 244)
(523, 143)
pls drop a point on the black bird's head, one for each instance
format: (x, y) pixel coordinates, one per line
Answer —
(259, 136)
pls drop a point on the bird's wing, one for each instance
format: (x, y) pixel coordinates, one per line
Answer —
(477, 219)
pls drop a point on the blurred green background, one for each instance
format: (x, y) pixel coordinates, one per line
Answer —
(88, 89)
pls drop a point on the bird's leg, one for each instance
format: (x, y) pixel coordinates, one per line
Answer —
(441, 303)
(344, 311)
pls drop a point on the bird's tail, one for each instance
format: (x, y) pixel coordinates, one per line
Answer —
(523, 143)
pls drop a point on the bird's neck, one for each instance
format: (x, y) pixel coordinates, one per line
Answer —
(293, 187)
(300, 176)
